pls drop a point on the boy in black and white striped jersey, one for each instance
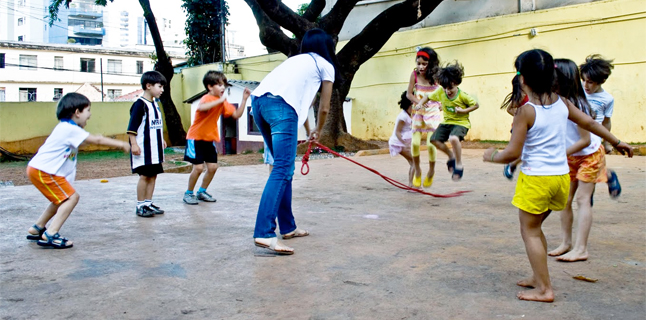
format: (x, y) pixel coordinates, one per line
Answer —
(146, 134)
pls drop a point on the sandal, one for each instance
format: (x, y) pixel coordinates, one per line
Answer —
(296, 233)
(451, 165)
(55, 241)
(457, 173)
(614, 188)
(38, 236)
(272, 246)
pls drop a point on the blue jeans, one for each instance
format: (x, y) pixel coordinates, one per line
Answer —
(278, 123)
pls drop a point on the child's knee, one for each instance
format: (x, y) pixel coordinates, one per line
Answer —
(211, 167)
(198, 168)
(454, 139)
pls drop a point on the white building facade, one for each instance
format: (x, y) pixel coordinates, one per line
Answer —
(36, 72)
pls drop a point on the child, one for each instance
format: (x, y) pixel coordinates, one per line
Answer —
(539, 131)
(594, 72)
(146, 134)
(426, 119)
(53, 168)
(203, 134)
(400, 141)
(457, 105)
(586, 159)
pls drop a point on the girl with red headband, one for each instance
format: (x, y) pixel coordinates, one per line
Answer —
(427, 119)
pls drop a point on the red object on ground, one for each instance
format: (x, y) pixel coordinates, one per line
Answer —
(306, 158)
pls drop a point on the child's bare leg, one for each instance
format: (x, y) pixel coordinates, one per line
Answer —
(47, 215)
(195, 174)
(580, 250)
(535, 245)
(63, 212)
(211, 168)
(150, 188)
(457, 150)
(142, 188)
(567, 216)
(411, 171)
(442, 147)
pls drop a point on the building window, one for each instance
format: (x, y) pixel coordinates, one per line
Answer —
(28, 62)
(1, 60)
(114, 93)
(2, 94)
(252, 128)
(58, 93)
(21, 38)
(114, 66)
(87, 65)
(140, 67)
(58, 63)
(21, 21)
(27, 94)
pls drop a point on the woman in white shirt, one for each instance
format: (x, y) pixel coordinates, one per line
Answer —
(280, 106)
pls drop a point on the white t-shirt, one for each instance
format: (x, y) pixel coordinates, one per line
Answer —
(57, 155)
(297, 80)
(572, 136)
(407, 133)
(544, 149)
(602, 103)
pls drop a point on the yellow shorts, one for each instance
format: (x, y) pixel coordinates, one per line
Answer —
(537, 194)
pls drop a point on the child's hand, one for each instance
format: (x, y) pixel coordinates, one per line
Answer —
(314, 136)
(246, 93)
(459, 110)
(624, 148)
(164, 144)
(135, 150)
(489, 154)
(417, 107)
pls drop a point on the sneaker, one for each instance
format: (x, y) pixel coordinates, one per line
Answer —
(190, 198)
(145, 212)
(156, 209)
(508, 171)
(205, 197)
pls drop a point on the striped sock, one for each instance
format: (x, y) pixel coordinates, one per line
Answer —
(147, 202)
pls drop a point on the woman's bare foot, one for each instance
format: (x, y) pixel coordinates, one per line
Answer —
(527, 283)
(562, 249)
(537, 295)
(573, 256)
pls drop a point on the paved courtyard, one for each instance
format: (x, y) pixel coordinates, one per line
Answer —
(375, 252)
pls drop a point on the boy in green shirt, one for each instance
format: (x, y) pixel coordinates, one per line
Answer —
(456, 106)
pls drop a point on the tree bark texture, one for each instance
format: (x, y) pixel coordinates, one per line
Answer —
(272, 14)
(175, 130)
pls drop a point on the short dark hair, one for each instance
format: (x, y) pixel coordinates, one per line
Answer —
(596, 68)
(404, 103)
(450, 74)
(69, 103)
(152, 77)
(213, 77)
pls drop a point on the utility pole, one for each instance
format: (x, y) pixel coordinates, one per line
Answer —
(101, 63)
(222, 43)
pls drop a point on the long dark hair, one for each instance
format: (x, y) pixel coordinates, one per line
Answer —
(515, 97)
(537, 68)
(568, 84)
(317, 41)
(433, 63)
(404, 103)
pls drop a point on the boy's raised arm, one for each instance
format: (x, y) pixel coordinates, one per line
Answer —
(243, 104)
(105, 141)
(207, 106)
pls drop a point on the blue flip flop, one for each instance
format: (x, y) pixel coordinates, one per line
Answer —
(451, 165)
(614, 188)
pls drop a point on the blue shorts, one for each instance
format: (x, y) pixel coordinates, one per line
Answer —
(198, 152)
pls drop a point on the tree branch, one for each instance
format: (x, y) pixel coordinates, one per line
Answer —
(314, 10)
(285, 17)
(333, 21)
(271, 35)
(373, 37)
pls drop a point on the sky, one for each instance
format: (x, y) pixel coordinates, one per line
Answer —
(242, 28)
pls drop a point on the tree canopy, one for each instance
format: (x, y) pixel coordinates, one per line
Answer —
(204, 28)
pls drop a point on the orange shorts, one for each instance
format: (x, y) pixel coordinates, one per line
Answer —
(55, 188)
(590, 168)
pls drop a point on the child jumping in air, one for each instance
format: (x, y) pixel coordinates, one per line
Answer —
(586, 159)
(53, 169)
(427, 118)
(146, 134)
(539, 133)
(203, 134)
(456, 106)
(400, 141)
(594, 72)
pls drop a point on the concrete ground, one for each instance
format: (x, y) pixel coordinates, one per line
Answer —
(375, 252)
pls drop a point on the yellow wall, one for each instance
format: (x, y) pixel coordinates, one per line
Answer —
(24, 126)
(487, 49)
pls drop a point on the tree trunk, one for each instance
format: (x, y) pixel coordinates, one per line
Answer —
(176, 133)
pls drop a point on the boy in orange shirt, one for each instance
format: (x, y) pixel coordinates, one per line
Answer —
(203, 134)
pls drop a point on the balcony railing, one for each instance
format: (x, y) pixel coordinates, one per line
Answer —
(81, 30)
